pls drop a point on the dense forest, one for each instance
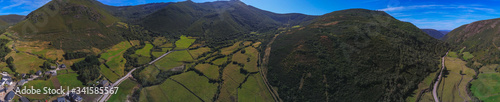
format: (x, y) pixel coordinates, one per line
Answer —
(88, 69)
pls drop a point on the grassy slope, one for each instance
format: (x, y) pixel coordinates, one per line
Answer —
(25, 62)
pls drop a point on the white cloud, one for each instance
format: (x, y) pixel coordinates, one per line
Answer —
(469, 8)
(15, 4)
(400, 8)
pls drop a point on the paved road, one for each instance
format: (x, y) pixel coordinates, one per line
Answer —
(434, 90)
(105, 97)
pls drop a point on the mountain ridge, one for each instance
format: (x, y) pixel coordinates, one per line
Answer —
(479, 38)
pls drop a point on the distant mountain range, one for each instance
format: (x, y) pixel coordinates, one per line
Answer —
(8, 20)
(434, 33)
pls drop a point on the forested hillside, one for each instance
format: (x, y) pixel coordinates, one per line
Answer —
(352, 55)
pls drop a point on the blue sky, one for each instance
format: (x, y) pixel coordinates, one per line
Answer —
(436, 14)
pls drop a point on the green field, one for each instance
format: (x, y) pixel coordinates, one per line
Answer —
(159, 41)
(70, 80)
(145, 51)
(125, 89)
(452, 54)
(149, 73)
(143, 60)
(25, 62)
(184, 42)
(467, 55)
(487, 86)
(210, 71)
(198, 84)
(108, 73)
(168, 91)
(249, 58)
(158, 54)
(199, 51)
(230, 49)
(39, 84)
(220, 61)
(453, 86)
(254, 90)
(232, 78)
(173, 59)
(115, 60)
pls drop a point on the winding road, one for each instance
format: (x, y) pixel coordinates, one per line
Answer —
(434, 90)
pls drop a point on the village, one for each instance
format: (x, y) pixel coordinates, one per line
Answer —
(9, 84)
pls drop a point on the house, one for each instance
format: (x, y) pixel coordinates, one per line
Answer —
(23, 75)
(38, 72)
(22, 82)
(24, 99)
(52, 72)
(9, 96)
(62, 66)
(53, 67)
(74, 97)
(104, 83)
(6, 80)
(61, 99)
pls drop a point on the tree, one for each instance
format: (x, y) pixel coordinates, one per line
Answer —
(46, 65)
(10, 64)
